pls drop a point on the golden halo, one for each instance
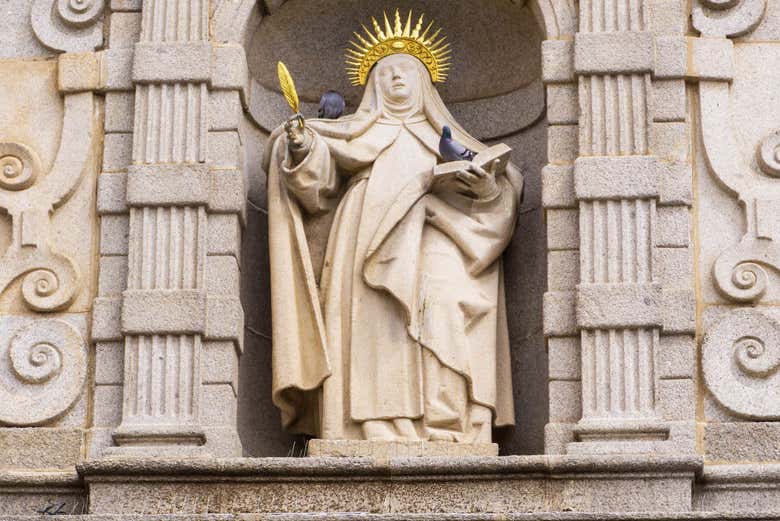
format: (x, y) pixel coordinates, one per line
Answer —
(398, 39)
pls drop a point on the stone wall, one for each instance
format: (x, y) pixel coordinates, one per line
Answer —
(643, 282)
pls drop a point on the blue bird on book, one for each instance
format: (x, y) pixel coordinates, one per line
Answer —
(451, 150)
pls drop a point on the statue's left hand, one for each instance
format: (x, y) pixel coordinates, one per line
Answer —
(480, 182)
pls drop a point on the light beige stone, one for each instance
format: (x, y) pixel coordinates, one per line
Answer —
(564, 358)
(560, 316)
(740, 363)
(741, 441)
(678, 311)
(112, 193)
(109, 363)
(671, 57)
(118, 69)
(224, 149)
(222, 275)
(117, 152)
(676, 356)
(558, 186)
(562, 107)
(112, 276)
(40, 448)
(120, 112)
(107, 405)
(78, 72)
(45, 368)
(676, 399)
(114, 232)
(675, 266)
(396, 449)
(669, 140)
(409, 486)
(125, 29)
(225, 110)
(388, 399)
(669, 102)
(673, 226)
(616, 52)
(723, 59)
(562, 269)
(565, 401)
(562, 230)
(562, 143)
(557, 61)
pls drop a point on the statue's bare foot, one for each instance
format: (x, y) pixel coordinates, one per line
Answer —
(406, 429)
(379, 430)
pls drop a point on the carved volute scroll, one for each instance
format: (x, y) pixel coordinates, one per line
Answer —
(741, 363)
(68, 25)
(43, 367)
(50, 280)
(768, 155)
(727, 18)
(740, 271)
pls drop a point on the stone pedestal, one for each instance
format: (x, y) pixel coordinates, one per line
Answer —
(397, 449)
(402, 488)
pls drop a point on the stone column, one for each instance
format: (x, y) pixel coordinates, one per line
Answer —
(619, 183)
(184, 192)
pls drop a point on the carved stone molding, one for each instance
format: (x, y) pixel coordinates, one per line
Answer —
(727, 18)
(740, 360)
(68, 25)
(43, 367)
(50, 280)
(740, 271)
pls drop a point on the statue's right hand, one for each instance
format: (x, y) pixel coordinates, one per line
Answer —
(296, 136)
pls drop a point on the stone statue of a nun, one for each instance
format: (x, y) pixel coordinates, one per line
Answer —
(405, 335)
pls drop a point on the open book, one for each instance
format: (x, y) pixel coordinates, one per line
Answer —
(444, 173)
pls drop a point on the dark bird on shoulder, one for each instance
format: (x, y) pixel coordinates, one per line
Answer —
(331, 105)
(451, 150)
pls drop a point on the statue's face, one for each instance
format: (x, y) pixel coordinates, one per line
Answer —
(398, 77)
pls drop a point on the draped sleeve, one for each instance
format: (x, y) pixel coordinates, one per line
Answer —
(314, 181)
(300, 360)
(481, 228)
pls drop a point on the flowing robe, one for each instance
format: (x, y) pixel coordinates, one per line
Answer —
(407, 274)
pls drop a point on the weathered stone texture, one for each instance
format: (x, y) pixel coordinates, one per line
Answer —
(627, 112)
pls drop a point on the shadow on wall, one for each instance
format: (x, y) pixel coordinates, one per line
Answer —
(488, 65)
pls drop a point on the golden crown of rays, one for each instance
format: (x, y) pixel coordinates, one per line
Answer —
(398, 39)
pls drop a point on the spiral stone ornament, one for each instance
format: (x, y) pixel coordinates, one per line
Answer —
(52, 287)
(68, 25)
(754, 358)
(42, 372)
(768, 155)
(741, 363)
(750, 279)
(741, 272)
(719, 4)
(727, 18)
(80, 13)
(19, 166)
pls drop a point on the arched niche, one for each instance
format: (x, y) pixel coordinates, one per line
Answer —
(494, 90)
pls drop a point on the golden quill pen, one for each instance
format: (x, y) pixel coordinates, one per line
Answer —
(288, 89)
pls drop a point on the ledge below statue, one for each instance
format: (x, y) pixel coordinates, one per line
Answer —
(397, 449)
(418, 485)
